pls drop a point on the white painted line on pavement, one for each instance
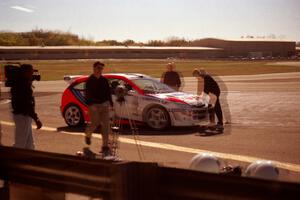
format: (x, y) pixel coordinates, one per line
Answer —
(248, 159)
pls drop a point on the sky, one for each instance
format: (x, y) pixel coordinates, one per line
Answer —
(144, 20)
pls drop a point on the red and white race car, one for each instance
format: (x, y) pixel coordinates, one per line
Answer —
(147, 100)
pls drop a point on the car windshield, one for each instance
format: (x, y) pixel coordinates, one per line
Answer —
(152, 86)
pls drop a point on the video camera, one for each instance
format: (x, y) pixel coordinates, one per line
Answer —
(13, 71)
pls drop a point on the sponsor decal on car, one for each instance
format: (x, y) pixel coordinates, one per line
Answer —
(79, 96)
(154, 99)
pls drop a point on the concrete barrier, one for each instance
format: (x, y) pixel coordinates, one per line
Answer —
(110, 52)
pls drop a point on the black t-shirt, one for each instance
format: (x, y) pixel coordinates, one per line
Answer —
(171, 78)
(97, 90)
(211, 86)
(22, 99)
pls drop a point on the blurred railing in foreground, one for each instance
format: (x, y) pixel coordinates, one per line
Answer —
(130, 180)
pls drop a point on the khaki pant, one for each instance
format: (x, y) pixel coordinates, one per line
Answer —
(23, 132)
(99, 116)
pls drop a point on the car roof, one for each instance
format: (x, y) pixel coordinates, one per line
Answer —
(130, 76)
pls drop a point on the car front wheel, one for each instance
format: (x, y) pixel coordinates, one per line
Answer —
(157, 118)
(73, 116)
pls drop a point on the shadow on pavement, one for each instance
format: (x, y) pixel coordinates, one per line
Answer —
(141, 130)
(71, 129)
(144, 130)
(207, 133)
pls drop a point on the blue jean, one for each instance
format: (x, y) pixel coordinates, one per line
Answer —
(23, 132)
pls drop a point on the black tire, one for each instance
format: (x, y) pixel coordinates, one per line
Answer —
(73, 116)
(157, 118)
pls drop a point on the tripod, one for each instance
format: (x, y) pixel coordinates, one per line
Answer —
(117, 127)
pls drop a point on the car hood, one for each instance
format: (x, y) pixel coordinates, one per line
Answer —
(181, 97)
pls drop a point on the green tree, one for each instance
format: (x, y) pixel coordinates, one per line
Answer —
(155, 43)
(39, 37)
(129, 42)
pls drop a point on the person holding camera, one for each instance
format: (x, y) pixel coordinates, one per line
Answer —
(23, 108)
(99, 100)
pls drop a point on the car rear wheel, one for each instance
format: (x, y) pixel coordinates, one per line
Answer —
(157, 118)
(73, 116)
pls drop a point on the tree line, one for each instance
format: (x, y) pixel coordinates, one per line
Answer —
(58, 38)
(41, 37)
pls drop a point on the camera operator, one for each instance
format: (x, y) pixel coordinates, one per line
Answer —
(23, 106)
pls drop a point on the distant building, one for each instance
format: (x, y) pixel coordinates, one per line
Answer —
(298, 51)
(251, 47)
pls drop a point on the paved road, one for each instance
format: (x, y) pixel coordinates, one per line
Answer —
(264, 111)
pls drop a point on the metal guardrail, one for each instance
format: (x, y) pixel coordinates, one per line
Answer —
(54, 171)
(67, 173)
(191, 185)
(132, 180)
